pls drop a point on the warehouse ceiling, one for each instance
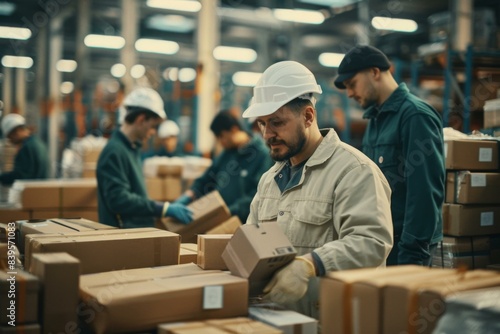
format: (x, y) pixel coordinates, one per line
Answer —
(243, 23)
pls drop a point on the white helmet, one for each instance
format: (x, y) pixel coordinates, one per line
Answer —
(168, 129)
(10, 122)
(146, 98)
(279, 84)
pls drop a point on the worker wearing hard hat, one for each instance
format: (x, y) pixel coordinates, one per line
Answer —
(168, 133)
(332, 202)
(31, 161)
(122, 196)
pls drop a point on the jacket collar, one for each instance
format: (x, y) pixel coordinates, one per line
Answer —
(121, 136)
(391, 104)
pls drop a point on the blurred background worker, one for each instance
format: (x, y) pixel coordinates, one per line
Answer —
(31, 161)
(236, 172)
(122, 196)
(168, 137)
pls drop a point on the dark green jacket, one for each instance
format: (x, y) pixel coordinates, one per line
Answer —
(121, 188)
(31, 162)
(405, 139)
(235, 174)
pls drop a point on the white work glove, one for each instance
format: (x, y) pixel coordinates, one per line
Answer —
(290, 283)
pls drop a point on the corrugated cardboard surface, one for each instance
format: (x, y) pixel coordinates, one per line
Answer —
(59, 274)
(82, 194)
(208, 212)
(469, 220)
(471, 155)
(172, 188)
(228, 227)
(134, 301)
(222, 326)
(289, 322)
(465, 187)
(210, 248)
(25, 296)
(454, 252)
(85, 213)
(154, 188)
(187, 256)
(13, 214)
(106, 250)
(256, 252)
(170, 170)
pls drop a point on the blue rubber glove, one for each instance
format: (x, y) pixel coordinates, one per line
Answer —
(184, 200)
(180, 212)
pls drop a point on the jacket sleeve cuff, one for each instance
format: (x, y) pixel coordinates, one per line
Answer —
(161, 208)
(319, 264)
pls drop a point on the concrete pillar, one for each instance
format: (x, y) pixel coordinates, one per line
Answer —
(207, 82)
(129, 26)
(7, 90)
(462, 14)
(21, 91)
(41, 77)
(363, 30)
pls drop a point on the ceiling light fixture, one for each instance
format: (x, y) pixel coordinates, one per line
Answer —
(299, 15)
(179, 5)
(118, 70)
(387, 23)
(17, 62)
(104, 41)
(15, 33)
(240, 55)
(66, 65)
(67, 87)
(156, 46)
(174, 23)
(137, 71)
(246, 79)
(187, 74)
(329, 59)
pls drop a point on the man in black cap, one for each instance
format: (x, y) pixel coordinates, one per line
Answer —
(405, 139)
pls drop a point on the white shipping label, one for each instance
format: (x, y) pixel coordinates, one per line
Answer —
(478, 180)
(445, 150)
(485, 154)
(213, 297)
(487, 218)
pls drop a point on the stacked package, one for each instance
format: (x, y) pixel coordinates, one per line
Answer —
(492, 114)
(163, 177)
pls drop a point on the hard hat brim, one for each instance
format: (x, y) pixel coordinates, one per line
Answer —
(263, 109)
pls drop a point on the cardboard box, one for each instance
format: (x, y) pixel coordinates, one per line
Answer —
(21, 329)
(19, 301)
(40, 195)
(471, 155)
(210, 248)
(455, 252)
(170, 170)
(172, 188)
(255, 252)
(188, 253)
(466, 187)
(228, 227)
(139, 300)
(289, 322)
(91, 155)
(154, 188)
(208, 212)
(401, 312)
(465, 220)
(79, 193)
(338, 306)
(44, 214)
(59, 274)
(84, 213)
(106, 250)
(238, 325)
(8, 215)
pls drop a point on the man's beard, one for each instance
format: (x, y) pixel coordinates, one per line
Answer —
(292, 149)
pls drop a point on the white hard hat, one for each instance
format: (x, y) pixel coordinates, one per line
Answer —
(10, 122)
(146, 98)
(279, 84)
(168, 129)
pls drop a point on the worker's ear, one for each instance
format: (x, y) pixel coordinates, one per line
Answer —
(309, 116)
(375, 71)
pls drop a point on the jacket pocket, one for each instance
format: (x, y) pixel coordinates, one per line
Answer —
(391, 162)
(268, 210)
(311, 224)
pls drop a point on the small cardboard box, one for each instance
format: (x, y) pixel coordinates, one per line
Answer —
(208, 212)
(59, 274)
(40, 195)
(172, 188)
(455, 252)
(8, 215)
(466, 187)
(255, 252)
(290, 322)
(228, 227)
(154, 187)
(210, 248)
(188, 253)
(19, 302)
(106, 250)
(79, 193)
(471, 155)
(139, 300)
(238, 325)
(24, 329)
(170, 170)
(466, 220)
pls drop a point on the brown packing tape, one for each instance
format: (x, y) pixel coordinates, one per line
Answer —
(347, 297)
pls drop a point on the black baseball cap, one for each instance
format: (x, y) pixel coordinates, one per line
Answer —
(360, 58)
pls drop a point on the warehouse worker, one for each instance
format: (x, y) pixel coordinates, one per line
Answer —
(331, 200)
(236, 172)
(405, 139)
(168, 135)
(122, 195)
(31, 161)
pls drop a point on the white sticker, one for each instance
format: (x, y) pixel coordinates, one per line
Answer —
(485, 154)
(445, 150)
(486, 218)
(213, 297)
(478, 180)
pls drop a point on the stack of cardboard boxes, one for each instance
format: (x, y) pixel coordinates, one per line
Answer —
(471, 214)
(163, 178)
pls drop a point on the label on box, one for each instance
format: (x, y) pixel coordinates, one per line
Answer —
(486, 218)
(445, 150)
(213, 297)
(478, 180)
(485, 154)
(284, 250)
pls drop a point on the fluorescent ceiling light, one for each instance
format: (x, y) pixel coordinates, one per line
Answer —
(137, 71)
(6, 8)
(171, 73)
(16, 61)
(247, 79)
(66, 65)
(104, 41)
(118, 70)
(15, 33)
(387, 23)
(156, 46)
(187, 74)
(180, 5)
(299, 15)
(328, 59)
(174, 23)
(67, 87)
(331, 3)
(240, 55)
